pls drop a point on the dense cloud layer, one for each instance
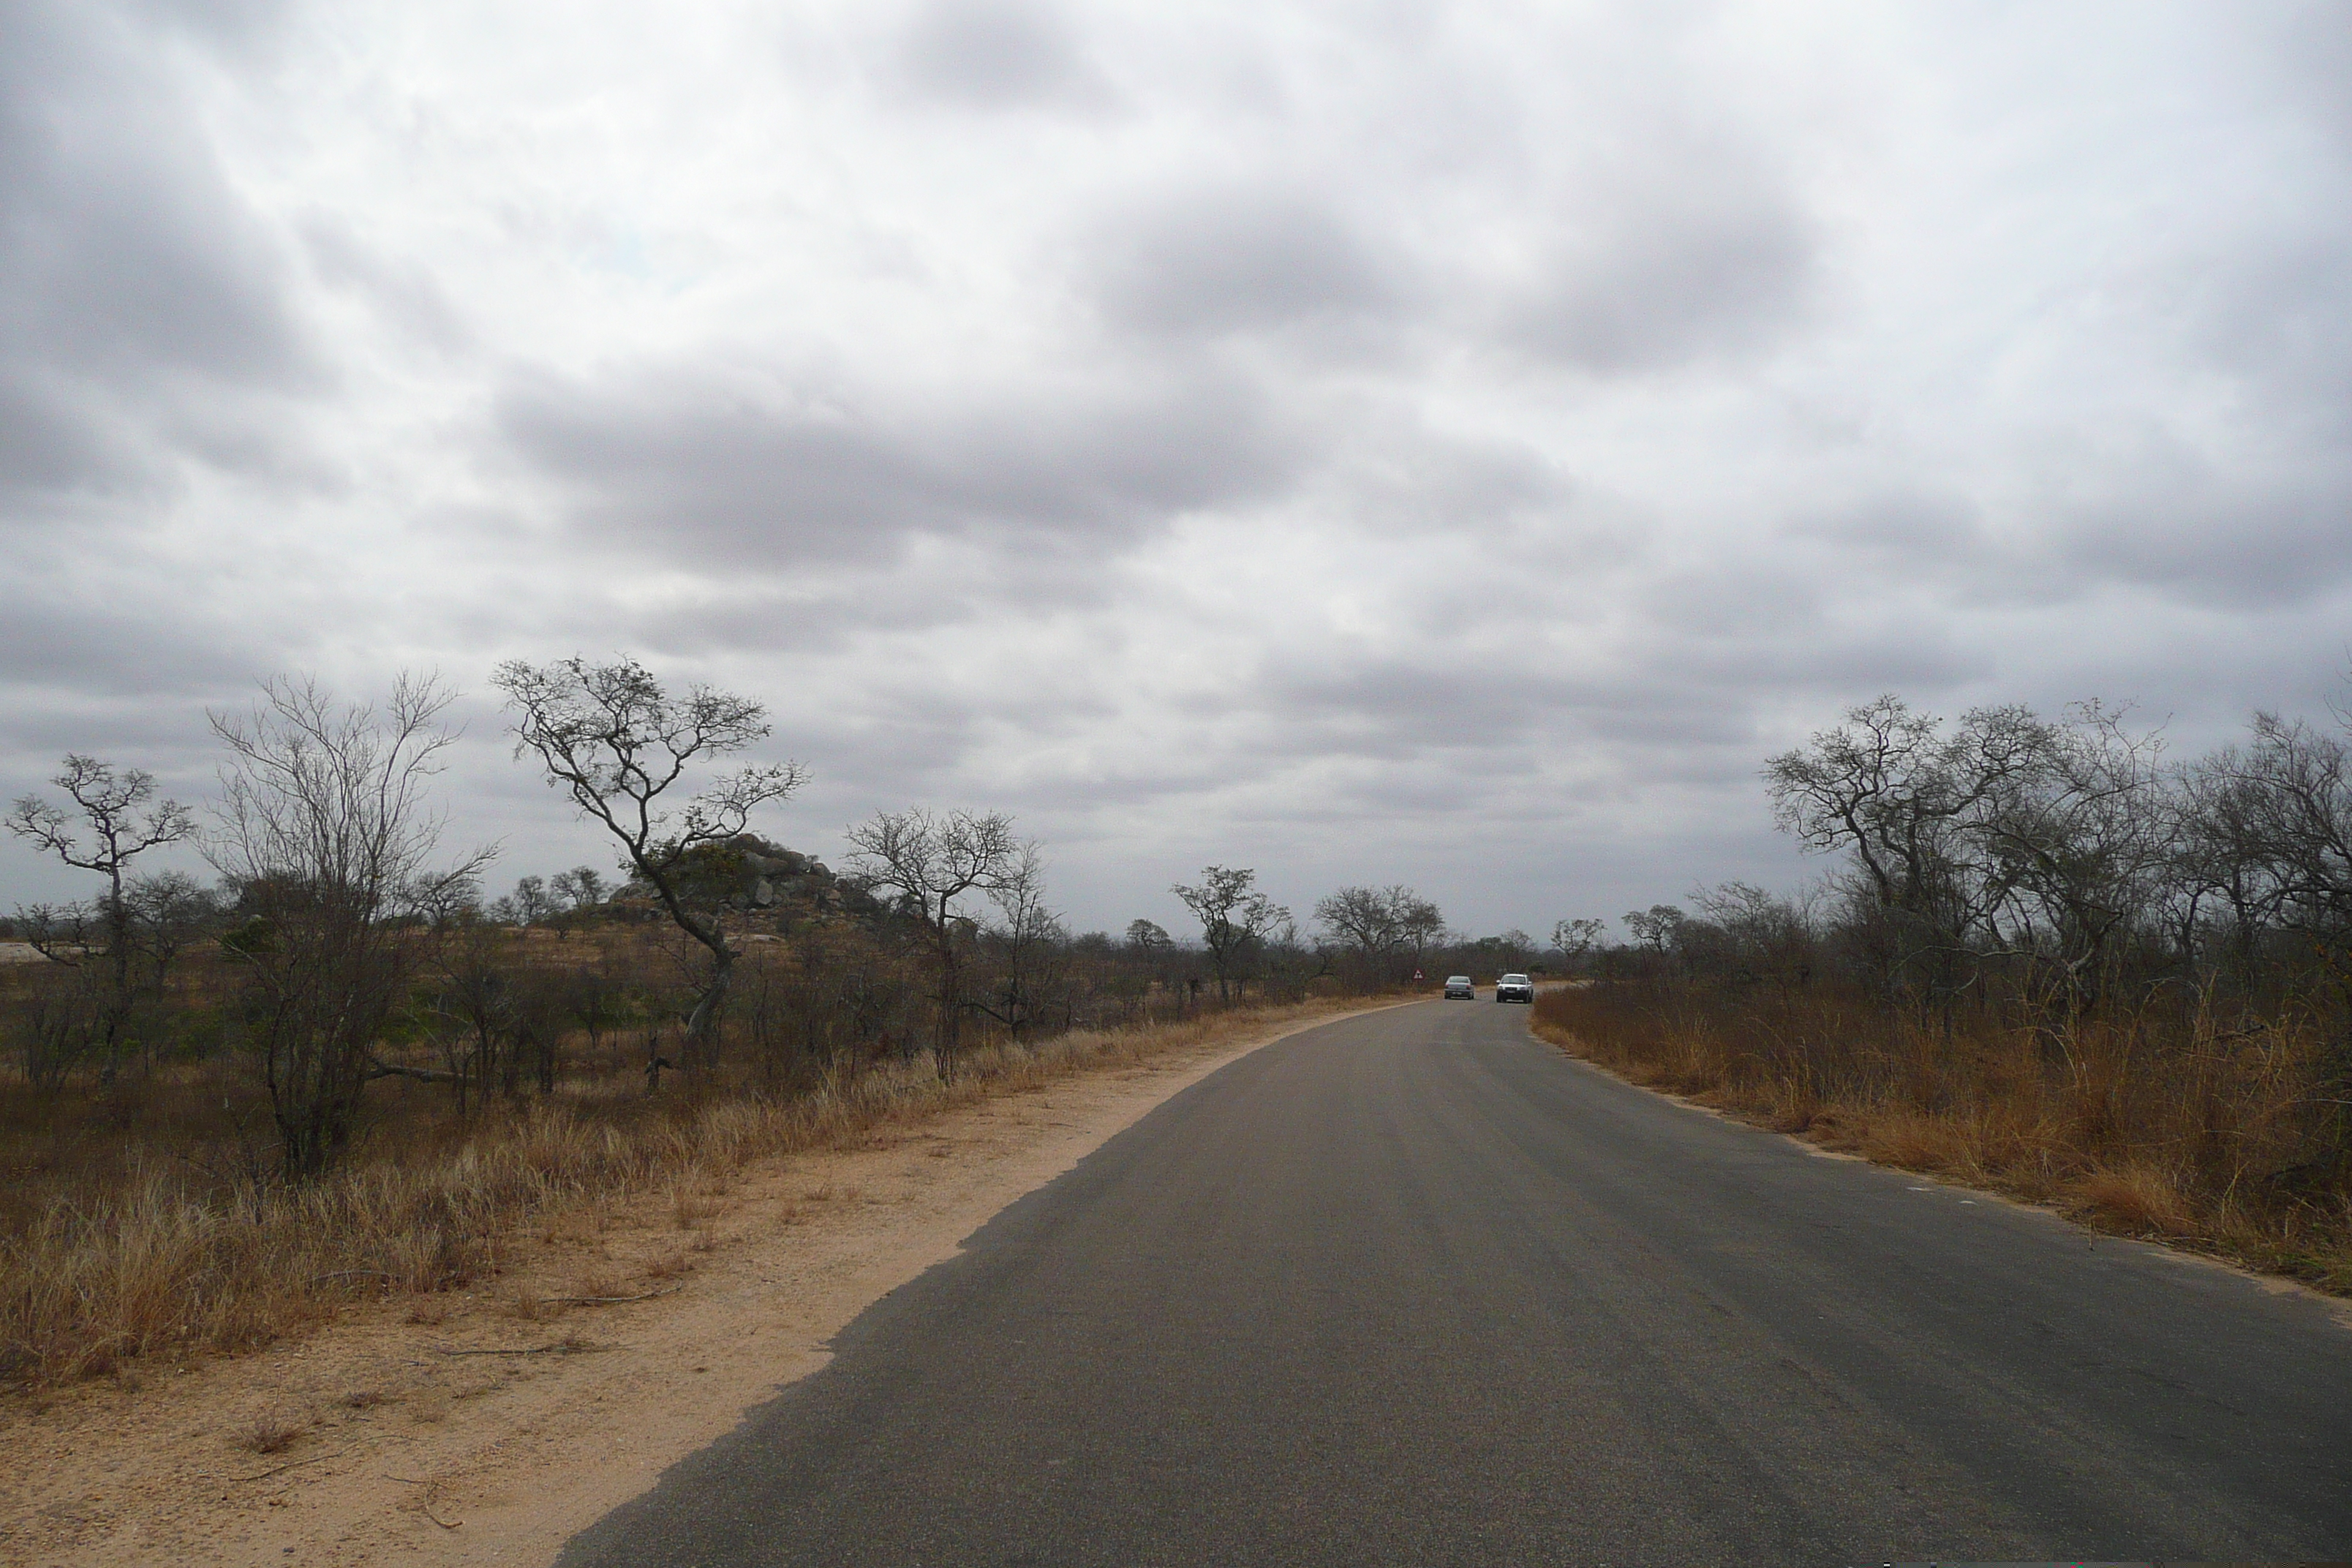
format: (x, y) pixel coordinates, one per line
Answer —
(1450, 445)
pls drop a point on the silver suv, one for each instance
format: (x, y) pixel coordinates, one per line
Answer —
(1514, 988)
(1459, 989)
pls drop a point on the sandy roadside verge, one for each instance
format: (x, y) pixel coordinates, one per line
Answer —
(495, 1432)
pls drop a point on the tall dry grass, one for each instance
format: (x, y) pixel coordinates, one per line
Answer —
(2171, 1124)
(166, 1264)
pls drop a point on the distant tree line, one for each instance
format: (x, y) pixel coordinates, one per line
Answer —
(345, 943)
(2059, 868)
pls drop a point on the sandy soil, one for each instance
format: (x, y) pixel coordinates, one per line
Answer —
(489, 1426)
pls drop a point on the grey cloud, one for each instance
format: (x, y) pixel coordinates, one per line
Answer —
(130, 275)
(242, 26)
(406, 296)
(999, 54)
(1696, 265)
(1468, 703)
(2238, 547)
(1396, 476)
(2314, 52)
(50, 441)
(2276, 317)
(138, 655)
(1392, 708)
(1883, 652)
(1237, 259)
(1738, 600)
(2137, 510)
(1903, 528)
(717, 474)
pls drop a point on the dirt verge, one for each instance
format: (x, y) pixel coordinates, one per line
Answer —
(495, 1422)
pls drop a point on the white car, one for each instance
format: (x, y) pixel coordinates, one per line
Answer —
(1514, 988)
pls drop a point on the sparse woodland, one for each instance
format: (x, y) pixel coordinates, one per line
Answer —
(2048, 961)
(339, 1071)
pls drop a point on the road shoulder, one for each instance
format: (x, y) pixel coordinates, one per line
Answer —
(495, 1423)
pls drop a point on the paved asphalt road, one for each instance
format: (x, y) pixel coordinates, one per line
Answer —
(1414, 1288)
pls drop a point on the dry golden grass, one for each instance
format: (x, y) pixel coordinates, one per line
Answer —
(2167, 1126)
(159, 1262)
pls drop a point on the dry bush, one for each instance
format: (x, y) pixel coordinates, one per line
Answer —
(271, 1432)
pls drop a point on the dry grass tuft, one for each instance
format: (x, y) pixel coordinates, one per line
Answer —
(530, 1306)
(271, 1432)
(2139, 1199)
(671, 1265)
(1914, 1143)
(690, 1210)
(598, 1286)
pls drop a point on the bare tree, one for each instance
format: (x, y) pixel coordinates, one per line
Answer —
(2080, 844)
(1362, 919)
(932, 863)
(1576, 939)
(324, 829)
(529, 904)
(1028, 935)
(616, 740)
(1655, 927)
(2268, 830)
(1148, 941)
(575, 894)
(1910, 802)
(119, 810)
(1757, 935)
(1380, 923)
(1237, 920)
(1419, 921)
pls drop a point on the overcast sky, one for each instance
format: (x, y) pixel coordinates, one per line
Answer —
(1367, 441)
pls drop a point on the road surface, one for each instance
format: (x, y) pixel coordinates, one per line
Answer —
(1415, 1287)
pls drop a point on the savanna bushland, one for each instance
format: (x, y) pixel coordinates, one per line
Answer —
(337, 1069)
(2049, 960)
